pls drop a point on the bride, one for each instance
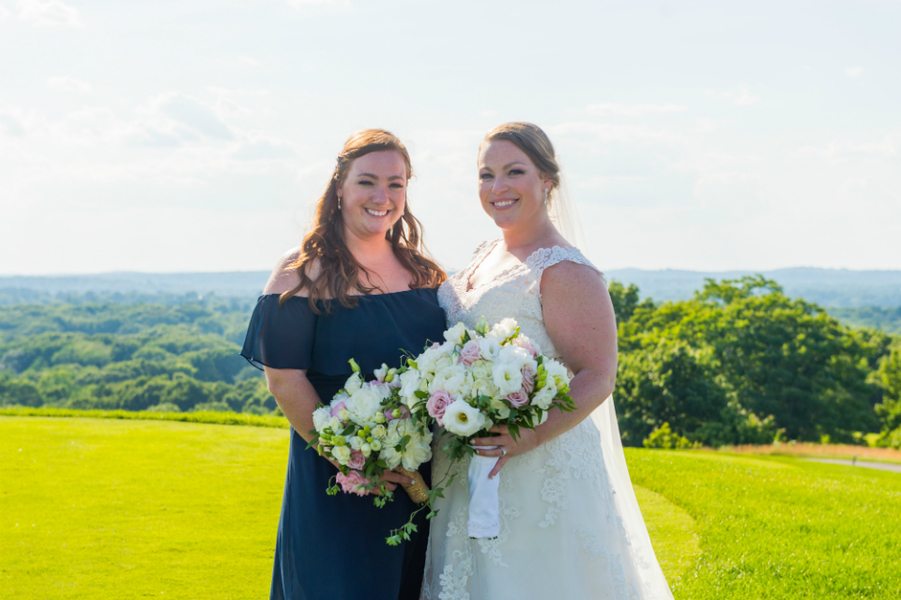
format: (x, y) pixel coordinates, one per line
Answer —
(570, 524)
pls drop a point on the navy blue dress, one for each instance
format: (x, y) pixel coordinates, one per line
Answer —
(333, 547)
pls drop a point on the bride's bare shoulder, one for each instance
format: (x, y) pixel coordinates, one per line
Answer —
(284, 276)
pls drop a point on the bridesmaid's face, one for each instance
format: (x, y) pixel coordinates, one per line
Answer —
(373, 194)
(510, 187)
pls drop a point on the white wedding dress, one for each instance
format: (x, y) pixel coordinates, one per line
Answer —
(570, 524)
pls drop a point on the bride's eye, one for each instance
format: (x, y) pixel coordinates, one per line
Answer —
(485, 176)
(516, 171)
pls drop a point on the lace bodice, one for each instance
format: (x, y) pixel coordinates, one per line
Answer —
(515, 292)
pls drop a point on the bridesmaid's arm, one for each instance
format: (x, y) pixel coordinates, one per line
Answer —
(579, 318)
(296, 397)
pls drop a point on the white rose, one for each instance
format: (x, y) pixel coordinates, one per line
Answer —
(419, 450)
(484, 387)
(362, 406)
(354, 383)
(379, 431)
(335, 424)
(489, 348)
(462, 419)
(409, 382)
(355, 442)
(341, 454)
(449, 379)
(425, 362)
(480, 370)
(504, 329)
(321, 418)
(514, 355)
(454, 335)
(507, 377)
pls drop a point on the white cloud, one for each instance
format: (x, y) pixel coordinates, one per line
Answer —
(5, 13)
(240, 61)
(632, 110)
(52, 13)
(854, 72)
(739, 96)
(69, 84)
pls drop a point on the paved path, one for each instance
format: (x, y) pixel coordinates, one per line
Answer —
(860, 463)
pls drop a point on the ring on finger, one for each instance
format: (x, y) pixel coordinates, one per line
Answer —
(503, 452)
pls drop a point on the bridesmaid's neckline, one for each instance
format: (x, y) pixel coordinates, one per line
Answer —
(357, 295)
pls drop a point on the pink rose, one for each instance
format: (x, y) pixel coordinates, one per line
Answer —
(528, 379)
(338, 408)
(517, 399)
(438, 402)
(470, 353)
(353, 483)
(357, 460)
(404, 413)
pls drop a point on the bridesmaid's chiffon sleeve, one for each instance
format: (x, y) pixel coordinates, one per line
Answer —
(280, 337)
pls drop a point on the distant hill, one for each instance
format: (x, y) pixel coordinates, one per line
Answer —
(827, 287)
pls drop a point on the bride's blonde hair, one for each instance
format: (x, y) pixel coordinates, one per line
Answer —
(534, 142)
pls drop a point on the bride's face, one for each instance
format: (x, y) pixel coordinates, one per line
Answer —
(510, 186)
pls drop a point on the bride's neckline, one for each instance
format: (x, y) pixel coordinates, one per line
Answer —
(474, 266)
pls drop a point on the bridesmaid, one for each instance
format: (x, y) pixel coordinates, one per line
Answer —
(360, 286)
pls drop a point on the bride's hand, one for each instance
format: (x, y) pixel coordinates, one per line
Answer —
(507, 447)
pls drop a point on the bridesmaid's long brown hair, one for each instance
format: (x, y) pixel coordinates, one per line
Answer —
(339, 272)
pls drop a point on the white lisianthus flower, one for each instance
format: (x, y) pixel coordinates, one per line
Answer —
(341, 454)
(419, 450)
(462, 419)
(484, 387)
(449, 379)
(556, 370)
(454, 335)
(353, 384)
(321, 417)
(504, 329)
(389, 453)
(545, 395)
(362, 406)
(507, 377)
(490, 348)
(409, 382)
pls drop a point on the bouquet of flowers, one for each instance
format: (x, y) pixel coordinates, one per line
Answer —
(477, 379)
(366, 429)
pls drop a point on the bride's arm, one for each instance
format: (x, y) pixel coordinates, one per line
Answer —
(580, 321)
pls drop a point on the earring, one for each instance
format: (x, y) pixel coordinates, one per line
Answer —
(339, 202)
(545, 196)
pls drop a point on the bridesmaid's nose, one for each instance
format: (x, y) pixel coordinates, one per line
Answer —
(498, 185)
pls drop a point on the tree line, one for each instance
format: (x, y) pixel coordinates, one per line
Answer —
(739, 363)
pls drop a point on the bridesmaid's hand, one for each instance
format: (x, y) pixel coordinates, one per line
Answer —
(391, 480)
(507, 447)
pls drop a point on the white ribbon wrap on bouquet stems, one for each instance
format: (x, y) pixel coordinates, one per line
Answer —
(484, 514)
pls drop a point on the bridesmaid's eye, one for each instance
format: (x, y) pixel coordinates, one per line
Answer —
(365, 182)
(397, 186)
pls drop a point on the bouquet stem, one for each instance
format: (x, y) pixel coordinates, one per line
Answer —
(484, 514)
(416, 490)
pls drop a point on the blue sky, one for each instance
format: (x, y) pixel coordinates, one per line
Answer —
(194, 135)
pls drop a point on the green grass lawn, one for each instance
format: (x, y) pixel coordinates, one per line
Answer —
(778, 527)
(102, 508)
